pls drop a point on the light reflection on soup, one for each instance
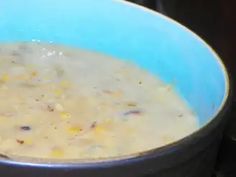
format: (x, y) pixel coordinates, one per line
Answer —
(63, 103)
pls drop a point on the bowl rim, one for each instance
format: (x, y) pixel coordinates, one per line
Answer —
(157, 152)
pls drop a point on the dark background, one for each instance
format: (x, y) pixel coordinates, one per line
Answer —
(215, 22)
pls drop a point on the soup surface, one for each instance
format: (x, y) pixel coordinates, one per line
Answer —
(64, 103)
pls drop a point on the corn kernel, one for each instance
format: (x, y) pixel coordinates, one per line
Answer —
(65, 115)
(58, 92)
(103, 126)
(34, 73)
(28, 141)
(57, 153)
(99, 129)
(65, 84)
(74, 130)
(5, 77)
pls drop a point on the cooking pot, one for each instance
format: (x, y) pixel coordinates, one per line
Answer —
(154, 42)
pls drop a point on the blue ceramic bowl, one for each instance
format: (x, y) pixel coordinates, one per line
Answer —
(129, 32)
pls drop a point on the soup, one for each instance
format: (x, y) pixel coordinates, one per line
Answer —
(58, 102)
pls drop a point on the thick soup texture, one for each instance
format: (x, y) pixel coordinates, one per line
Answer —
(63, 103)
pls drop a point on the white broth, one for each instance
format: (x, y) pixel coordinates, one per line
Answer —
(64, 103)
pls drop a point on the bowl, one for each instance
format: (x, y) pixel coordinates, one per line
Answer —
(152, 41)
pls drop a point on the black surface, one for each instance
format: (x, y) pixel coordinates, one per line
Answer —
(226, 166)
(146, 3)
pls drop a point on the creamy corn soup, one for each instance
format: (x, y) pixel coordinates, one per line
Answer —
(63, 103)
